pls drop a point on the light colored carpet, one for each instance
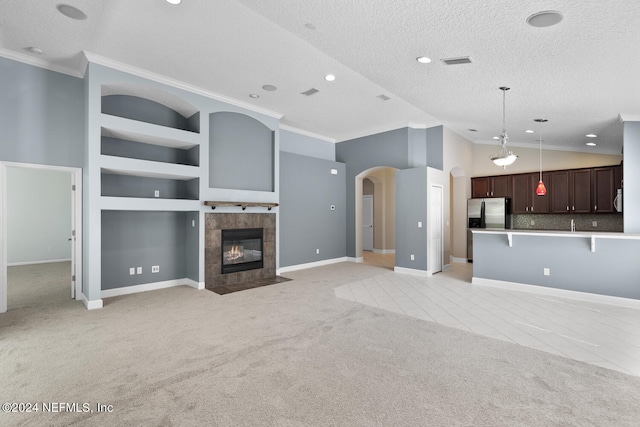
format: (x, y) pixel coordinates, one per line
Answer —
(290, 354)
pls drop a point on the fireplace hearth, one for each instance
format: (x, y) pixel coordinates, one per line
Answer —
(241, 249)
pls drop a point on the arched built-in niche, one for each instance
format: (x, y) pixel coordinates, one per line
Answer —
(383, 180)
(150, 105)
(241, 153)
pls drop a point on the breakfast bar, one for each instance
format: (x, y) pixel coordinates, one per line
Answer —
(589, 265)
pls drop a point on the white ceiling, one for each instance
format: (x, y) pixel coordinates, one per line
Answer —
(582, 74)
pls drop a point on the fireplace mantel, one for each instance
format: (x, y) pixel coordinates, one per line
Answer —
(243, 205)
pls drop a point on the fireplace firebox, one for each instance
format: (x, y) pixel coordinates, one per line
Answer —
(242, 249)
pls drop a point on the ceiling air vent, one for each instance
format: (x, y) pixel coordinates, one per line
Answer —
(310, 91)
(383, 97)
(457, 61)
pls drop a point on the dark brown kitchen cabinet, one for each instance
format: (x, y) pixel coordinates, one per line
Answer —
(491, 186)
(603, 189)
(524, 199)
(570, 191)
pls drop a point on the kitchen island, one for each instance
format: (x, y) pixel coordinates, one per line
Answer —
(597, 266)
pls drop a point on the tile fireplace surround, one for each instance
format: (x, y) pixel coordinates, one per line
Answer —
(214, 224)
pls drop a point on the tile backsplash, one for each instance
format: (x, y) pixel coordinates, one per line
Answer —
(584, 222)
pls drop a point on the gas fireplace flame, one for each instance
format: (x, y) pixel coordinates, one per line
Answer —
(236, 252)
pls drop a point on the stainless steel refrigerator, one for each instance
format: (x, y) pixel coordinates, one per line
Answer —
(493, 213)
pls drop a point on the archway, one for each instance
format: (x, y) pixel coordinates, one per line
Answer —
(383, 179)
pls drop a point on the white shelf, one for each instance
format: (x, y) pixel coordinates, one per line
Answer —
(147, 133)
(144, 204)
(147, 168)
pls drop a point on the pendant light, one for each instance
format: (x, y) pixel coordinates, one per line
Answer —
(505, 157)
(541, 190)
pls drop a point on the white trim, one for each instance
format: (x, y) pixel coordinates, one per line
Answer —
(384, 251)
(412, 271)
(196, 285)
(129, 69)
(456, 259)
(446, 267)
(127, 290)
(91, 305)
(596, 150)
(355, 259)
(46, 261)
(3, 238)
(564, 293)
(307, 133)
(310, 265)
(43, 63)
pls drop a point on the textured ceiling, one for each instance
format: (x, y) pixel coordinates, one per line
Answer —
(581, 74)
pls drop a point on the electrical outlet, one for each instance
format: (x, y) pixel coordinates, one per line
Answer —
(139, 270)
(594, 223)
(419, 224)
(533, 222)
(193, 222)
(546, 272)
(317, 251)
(156, 193)
(132, 271)
(413, 258)
(155, 269)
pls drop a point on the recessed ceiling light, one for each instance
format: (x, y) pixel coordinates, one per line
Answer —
(71, 12)
(174, 1)
(269, 88)
(34, 50)
(329, 77)
(423, 59)
(530, 131)
(546, 18)
(254, 95)
(592, 135)
(496, 137)
(591, 144)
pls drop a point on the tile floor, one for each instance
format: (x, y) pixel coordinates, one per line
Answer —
(600, 334)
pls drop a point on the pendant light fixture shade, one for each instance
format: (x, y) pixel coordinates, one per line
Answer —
(505, 157)
(541, 190)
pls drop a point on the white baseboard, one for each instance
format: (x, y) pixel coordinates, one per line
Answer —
(196, 285)
(310, 265)
(354, 259)
(564, 293)
(91, 305)
(412, 271)
(456, 259)
(446, 267)
(127, 290)
(45, 261)
(384, 251)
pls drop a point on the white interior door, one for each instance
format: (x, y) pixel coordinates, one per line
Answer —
(436, 248)
(367, 223)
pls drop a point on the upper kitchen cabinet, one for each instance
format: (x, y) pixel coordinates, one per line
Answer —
(605, 182)
(524, 199)
(570, 191)
(491, 186)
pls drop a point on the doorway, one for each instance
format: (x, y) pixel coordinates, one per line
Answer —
(367, 223)
(40, 233)
(436, 244)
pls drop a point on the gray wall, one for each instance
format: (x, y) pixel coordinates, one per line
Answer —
(304, 145)
(41, 116)
(241, 153)
(144, 187)
(143, 239)
(383, 149)
(613, 269)
(631, 192)
(38, 215)
(306, 223)
(435, 147)
(137, 150)
(192, 253)
(411, 207)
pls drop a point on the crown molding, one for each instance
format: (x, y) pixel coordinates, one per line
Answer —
(43, 63)
(307, 133)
